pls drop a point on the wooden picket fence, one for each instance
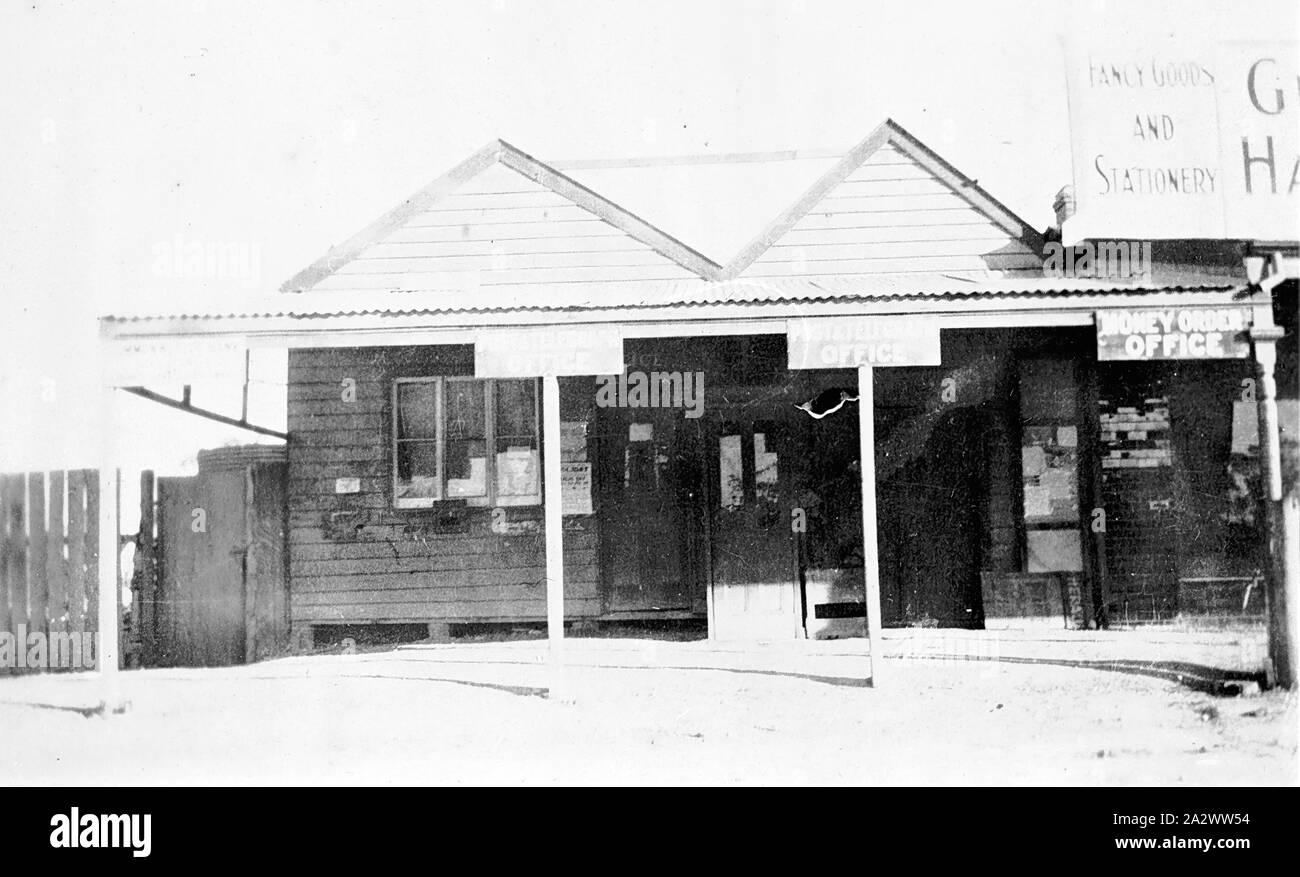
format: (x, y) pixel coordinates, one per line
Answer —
(49, 552)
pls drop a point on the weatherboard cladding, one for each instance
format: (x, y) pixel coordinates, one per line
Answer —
(354, 557)
(891, 215)
(502, 218)
(501, 228)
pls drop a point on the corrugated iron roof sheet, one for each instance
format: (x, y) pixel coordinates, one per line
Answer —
(659, 294)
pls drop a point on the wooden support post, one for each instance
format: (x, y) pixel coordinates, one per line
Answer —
(110, 549)
(870, 550)
(554, 532)
(1284, 601)
(142, 637)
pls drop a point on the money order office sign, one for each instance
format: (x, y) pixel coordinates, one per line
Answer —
(1191, 142)
(1173, 333)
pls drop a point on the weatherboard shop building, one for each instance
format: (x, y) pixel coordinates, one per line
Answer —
(510, 400)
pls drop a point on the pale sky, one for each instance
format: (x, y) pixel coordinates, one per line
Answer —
(284, 127)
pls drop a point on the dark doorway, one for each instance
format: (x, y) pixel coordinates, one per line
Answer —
(929, 488)
(650, 504)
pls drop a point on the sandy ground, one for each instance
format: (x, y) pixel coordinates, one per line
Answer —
(651, 712)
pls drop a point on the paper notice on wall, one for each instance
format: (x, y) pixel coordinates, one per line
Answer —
(573, 441)
(640, 432)
(1245, 428)
(1053, 551)
(517, 472)
(731, 488)
(1032, 461)
(1067, 436)
(575, 488)
(474, 485)
(1038, 501)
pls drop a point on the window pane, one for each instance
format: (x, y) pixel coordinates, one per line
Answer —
(417, 410)
(765, 467)
(517, 473)
(465, 456)
(417, 470)
(466, 463)
(1047, 389)
(517, 409)
(417, 448)
(518, 463)
(465, 414)
(732, 487)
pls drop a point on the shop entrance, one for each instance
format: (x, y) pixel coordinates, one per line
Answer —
(931, 490)
(651, 507)
(928, 495)
(757, 461)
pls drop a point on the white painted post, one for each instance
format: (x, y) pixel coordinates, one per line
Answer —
(870, 550)
(1284, 627)
(554, 532)
(109, 548)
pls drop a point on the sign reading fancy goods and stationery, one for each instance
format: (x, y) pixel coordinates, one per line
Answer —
(1173, 333)
(1196, 142)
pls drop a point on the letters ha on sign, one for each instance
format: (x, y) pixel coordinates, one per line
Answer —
(1173, 333)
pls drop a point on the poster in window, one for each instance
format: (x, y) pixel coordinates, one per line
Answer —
(517, 469)
(1049, 464)
(575, 488)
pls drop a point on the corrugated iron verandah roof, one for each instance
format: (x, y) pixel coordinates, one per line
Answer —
(671, 296)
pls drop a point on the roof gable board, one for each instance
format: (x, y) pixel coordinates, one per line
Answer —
(891, 206)
(500, 217)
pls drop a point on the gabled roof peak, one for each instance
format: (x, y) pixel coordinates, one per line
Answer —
(891, 133)
(498, 151)
(679, 254)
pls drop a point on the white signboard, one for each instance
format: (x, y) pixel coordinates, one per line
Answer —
(169, 362)
(1195, 142)
(848, 342)
(533, 352)
(1259, 129)
(1173, 333)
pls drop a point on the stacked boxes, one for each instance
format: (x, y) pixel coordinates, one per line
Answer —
(1133, 436)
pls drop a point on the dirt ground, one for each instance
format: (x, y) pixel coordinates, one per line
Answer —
(654, 712)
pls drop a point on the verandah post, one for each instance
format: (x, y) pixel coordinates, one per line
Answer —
(554, 531)
(1283, 610)
(870, 552)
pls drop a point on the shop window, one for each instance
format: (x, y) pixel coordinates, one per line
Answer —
(643, 460)
(518, 452)
(731, 472)
(766, 464)
(1049, 458)
(443, 429)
